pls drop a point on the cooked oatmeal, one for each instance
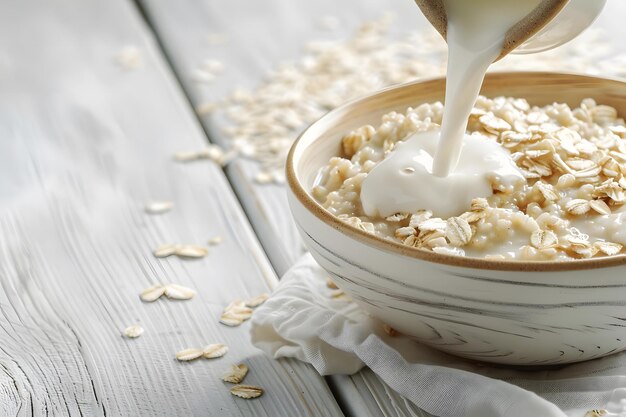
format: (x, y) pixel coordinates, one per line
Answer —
(570, 206)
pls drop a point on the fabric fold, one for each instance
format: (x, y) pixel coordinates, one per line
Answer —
(303, 320)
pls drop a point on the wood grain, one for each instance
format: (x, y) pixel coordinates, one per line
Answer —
(84, 145)
(258, 36)
(273, 31)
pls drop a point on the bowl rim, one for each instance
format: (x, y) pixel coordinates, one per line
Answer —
(304, 197)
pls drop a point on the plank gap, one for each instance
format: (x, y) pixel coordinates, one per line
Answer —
(236, 177)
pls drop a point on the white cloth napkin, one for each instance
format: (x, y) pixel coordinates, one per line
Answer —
(302, 320)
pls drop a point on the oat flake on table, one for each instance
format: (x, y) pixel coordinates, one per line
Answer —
(134, 331)
(235, 374)
(257, 301)
(235, 313)
(190, 354)
(171, 291)
(158, 207)
(182, 251)
(212, 351)
(152, 293)
(246, 391)
(129, 57)
(179, 292)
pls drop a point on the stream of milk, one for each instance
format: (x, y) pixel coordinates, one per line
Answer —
(420, 176)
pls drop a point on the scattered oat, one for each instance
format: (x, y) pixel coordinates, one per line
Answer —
(201, 76)
(129, 57)
(213, 153)
(171, 291)
(263, 177)
(183, 251)
(158, 207)
(215, 350)
(238, 306)
(208, 70)
(191, 251)
(257, 301)
(230, 320)
(178, 292)
(215, 240)
(189, 354)
(235, 313)
(204, 109)
(164, 251)
(212, 351)
(212, 65)
(153, 293)
(266, 121)
(246, 391)
(235, 374)
(133, 331)
(331, 284)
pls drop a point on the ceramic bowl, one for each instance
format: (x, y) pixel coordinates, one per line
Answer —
(510, 312)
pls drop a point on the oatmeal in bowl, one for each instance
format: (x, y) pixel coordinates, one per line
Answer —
(567, 201)
(527, 268)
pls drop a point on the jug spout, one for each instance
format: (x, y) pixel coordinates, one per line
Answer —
(537, 30)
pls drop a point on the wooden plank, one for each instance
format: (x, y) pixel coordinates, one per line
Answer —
(259, 35)
(273, 31)
(84, 144)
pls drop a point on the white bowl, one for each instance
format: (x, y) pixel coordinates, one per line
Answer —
(510, 312)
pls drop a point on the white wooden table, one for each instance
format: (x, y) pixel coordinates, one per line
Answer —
(84, 144)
